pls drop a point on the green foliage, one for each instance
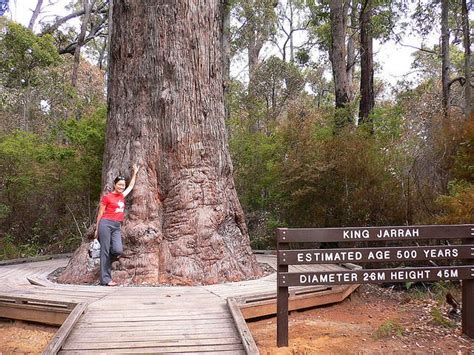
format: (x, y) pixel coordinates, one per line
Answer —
(256, 22)
(417, 292)
(458, 205)
(389, 328)
(434, 291)
(386, 14)
(298, 173)
(437, 318)
(10, 249)
(35, 83)
(320, 23)
(302, 57)
(255, 156)
(442, 288)
(388, 123)
(340, 180)
(22, 52)
(276, 83)
(88, 138)
(50, 183)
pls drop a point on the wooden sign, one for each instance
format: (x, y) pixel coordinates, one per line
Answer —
(372, 234)
(351, 255)
(287, 257)
(376, 276)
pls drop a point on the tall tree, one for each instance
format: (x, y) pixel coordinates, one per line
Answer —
(467, 58)
(185, 224)
(445, 56)
(351, 50)
(292, 18)
(337, 52)
(257, 19)
(367, 98)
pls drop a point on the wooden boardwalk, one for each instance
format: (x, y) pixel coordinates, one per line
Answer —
(144, 319)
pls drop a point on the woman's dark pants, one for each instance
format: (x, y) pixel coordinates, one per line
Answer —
(110, 247)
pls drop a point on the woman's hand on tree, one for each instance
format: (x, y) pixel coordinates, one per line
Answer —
(135, 168)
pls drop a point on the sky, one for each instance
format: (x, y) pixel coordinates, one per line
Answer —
(21, 10)
(394, 59)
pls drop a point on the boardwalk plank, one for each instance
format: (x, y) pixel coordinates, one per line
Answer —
(156, 339)
(155, 317)
(158, 319)
(146, 343)
(81, 335)
(163, 349)
(178, 324)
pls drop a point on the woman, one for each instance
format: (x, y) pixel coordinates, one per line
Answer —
(109, 220)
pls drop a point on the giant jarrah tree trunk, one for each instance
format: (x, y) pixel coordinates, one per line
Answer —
(184, 222)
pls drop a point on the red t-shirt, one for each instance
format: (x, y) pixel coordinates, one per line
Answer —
(114, 206)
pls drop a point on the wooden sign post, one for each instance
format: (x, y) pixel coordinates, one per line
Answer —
(287, 257)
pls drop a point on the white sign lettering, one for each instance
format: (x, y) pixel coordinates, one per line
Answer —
(398, 233)
(356, 234)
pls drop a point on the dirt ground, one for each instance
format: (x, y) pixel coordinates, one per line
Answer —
(21, 337)
(373, 320)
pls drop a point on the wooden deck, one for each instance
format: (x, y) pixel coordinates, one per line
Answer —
(158, 319)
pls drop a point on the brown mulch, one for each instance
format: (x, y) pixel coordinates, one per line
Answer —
(374, 320)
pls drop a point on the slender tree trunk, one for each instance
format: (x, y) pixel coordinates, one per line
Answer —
(35, 14)
(351, 57)
(337, 53)
(259, 19)
(292, 47)
(103, 51)
(80, 41)
(367, 99)
(445, 57)
(254, 46)
(254, 49)
(184, 221)
(467, 60)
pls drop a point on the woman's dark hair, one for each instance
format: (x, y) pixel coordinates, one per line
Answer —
(118, 178)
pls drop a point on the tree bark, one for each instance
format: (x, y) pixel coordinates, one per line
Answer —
(184, 222)
(226, 55)
(103, 51)
(35, 14)
(338, 15)
(337, 56)
(445, 57)
(367, 98)
(351, 57)
(254, 47)
(467, 60)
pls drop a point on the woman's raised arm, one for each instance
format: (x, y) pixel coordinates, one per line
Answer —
(132, 181)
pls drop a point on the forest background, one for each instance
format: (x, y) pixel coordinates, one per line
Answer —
(318, 137)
